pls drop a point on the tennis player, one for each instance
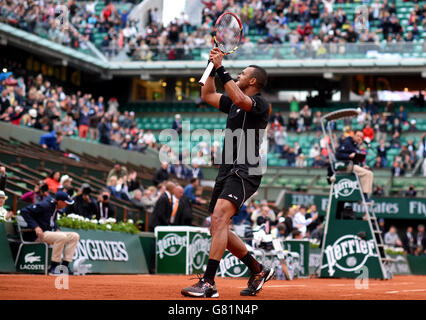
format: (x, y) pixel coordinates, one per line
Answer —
(238, 178)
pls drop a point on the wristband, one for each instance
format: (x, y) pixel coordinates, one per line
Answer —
(213, 72)
(224, 76)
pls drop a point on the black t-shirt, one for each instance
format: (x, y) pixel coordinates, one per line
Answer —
(244, 133)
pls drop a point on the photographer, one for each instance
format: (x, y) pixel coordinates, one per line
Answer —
(84, 205)
(105, 208)
(41, 192)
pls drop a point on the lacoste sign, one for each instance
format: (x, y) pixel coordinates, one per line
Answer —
(32, 262)
(171, 245)
(31, 258)
(348, 253)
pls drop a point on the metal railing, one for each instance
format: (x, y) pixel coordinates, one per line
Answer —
(287, 51)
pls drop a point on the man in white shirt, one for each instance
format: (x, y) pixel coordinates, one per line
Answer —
(391, 238)
(300, 222)
(149, 138)
(328, 4)
(280, 137)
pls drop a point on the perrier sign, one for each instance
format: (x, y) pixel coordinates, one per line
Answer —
(348, 254)
(181, 250)
(349, 244)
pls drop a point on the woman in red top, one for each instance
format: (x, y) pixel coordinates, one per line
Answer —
(53, 181)
(368, 132)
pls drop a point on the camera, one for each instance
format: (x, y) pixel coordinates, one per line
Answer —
(44, 188)
(87, 191)
(105, 197)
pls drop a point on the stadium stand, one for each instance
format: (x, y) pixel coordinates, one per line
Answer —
(27, 164)
(281, 30)
(102, 35)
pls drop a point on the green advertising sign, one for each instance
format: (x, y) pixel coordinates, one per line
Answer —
(181, 249)
(109, 252)
(198, 254)
(395, 208)
(6, 260)
(32, 258)
(344, 253)
(231, 266)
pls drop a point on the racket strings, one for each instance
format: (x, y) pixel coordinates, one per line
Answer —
(228, 33)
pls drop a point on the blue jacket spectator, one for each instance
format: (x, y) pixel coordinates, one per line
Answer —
(51, 140)
(189, 191)
(242, 217)
(401, 115)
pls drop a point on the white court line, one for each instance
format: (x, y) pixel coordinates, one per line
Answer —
(287, 285)
(350, 295)
(414, 290)
(282, 286)
(391, 292)
(337, 285)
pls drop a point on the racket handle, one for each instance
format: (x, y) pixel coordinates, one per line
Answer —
(206, 74)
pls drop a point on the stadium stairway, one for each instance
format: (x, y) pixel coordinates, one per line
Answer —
(27, 163)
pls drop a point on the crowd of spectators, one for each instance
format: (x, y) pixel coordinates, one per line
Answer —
(304, 222)
(381, 129)
(45, 17)
(121, 185)
(411, 242)
(320, 30)
(37, 103)
(295, 222)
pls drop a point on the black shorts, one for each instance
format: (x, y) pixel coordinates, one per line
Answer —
(235, 188)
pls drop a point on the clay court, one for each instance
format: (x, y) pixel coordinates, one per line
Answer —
(167, 287)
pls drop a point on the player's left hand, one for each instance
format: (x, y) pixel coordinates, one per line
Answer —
(216, 56)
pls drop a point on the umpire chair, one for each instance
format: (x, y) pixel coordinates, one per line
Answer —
(352, 242)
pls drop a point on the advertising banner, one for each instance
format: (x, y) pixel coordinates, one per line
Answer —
(395, 208)
(32, 258)
(6, 260)
(109, 252)
(181, 249)
(345, 253)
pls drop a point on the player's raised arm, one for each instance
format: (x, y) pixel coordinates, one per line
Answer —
(238, 97)
(209, 94)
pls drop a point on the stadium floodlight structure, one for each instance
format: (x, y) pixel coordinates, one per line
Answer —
(352, 244)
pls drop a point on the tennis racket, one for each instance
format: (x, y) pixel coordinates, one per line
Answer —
(228, 32)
